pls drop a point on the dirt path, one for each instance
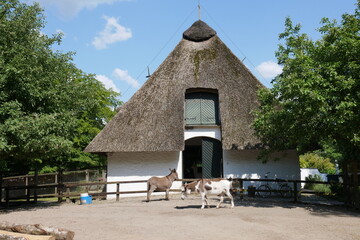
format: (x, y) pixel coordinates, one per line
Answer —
(132, 218)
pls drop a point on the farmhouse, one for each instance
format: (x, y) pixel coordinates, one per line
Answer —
(193, 114)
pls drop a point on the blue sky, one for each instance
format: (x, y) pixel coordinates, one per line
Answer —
(118, 39)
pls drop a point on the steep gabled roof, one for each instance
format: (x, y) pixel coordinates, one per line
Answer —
(153, 119)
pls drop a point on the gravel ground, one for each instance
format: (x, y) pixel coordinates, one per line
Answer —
(252, 218)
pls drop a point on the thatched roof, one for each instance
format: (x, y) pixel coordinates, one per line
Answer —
(153, 119)
(199, 32)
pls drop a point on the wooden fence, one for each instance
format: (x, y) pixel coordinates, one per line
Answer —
(63, 190)
(47, 183)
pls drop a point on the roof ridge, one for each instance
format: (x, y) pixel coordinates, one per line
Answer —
(199, 32)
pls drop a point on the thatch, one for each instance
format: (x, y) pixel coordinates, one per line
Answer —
(199, 32)
(153, 119)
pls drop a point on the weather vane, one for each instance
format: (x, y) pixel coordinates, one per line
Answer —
(199, 10)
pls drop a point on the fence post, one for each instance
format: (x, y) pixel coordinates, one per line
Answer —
(36, 183)
(27, 193)
(241, 183)
(7, 196)
(27, 190)
(87, 175)
(295, 192)
(60, 185)
(56, 182)
(117, 192)
(67, 194)
(1, 186)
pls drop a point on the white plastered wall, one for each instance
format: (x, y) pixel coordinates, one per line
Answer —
(243, 164)
(237, 164)
(129, 166)
(212, 132)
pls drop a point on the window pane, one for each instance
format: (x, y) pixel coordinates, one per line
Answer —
(208, 110)
(192, 111)
(201, 108)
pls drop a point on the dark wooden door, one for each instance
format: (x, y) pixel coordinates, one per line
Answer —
(211, 158)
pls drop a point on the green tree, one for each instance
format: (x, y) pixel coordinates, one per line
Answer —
(50, 110)
(313, 160)
(316, 99)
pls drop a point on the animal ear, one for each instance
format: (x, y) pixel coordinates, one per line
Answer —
(170, 169)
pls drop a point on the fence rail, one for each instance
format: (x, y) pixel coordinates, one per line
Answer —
(33, 186)
(63, 190)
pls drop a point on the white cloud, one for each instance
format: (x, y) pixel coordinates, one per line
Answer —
(269, 69)
(112, 33)
(108, 83)
(123, 75)
(70, 8)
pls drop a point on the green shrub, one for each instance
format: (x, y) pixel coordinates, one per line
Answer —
(312, 178)
(336, 190)
(322, 188)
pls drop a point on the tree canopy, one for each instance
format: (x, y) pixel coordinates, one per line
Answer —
(50, 109)
(313, 160)
(315, 101)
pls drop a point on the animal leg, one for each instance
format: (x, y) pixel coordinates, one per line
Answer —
(167, 194)
(221, 200)
(204, 200)
(150, 191)
(231, 198)
(207, 202)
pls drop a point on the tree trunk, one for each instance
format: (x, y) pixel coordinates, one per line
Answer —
(355, 184)
(37, 229)
(351, 184)
(5, 235)
(346, 184)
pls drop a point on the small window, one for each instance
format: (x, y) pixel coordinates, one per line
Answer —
(201, 108)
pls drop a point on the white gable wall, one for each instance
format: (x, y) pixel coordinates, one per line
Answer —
(130, 166)
(212, 132)
(243, 164)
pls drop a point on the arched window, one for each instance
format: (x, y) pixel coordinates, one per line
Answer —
(201, 107)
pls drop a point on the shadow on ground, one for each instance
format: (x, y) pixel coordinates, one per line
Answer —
(315, 204)
(188, 207)
(21, 206)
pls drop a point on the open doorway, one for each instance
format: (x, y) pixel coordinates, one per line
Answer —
(202, 158)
